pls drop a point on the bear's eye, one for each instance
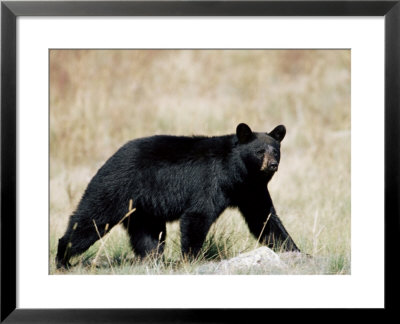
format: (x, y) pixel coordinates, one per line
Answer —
(260, 152)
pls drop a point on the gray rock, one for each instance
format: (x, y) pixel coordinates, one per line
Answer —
(255, 261)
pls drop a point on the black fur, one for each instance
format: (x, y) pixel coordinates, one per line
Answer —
(193, 179)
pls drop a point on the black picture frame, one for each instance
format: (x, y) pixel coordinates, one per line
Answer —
(10, 10)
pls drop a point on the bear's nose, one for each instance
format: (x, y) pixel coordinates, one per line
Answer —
(272, 165)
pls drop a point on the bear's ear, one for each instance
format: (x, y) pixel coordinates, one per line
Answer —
(243, 133)
(278, 133)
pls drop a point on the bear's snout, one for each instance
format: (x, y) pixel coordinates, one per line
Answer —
(269, 163)
(272, 166)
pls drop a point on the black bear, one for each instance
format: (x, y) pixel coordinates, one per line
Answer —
(193, 179)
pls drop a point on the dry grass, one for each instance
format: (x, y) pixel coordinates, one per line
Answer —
(101, 99)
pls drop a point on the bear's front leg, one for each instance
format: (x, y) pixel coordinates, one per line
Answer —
(264, 224)
(276, 234)
(194, 228)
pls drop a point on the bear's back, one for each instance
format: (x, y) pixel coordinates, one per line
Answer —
(180, 149)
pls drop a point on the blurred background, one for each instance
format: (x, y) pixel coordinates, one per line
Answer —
(100, 99)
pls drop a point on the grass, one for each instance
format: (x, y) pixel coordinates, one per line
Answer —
(100, 99)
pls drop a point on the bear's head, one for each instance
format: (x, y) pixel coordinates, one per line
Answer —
(260, 151)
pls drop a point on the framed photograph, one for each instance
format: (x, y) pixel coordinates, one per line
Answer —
(163, 159)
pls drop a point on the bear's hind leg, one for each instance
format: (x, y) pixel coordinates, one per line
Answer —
(147, 234)
(80, 235)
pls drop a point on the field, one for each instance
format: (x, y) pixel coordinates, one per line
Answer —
(100, 99)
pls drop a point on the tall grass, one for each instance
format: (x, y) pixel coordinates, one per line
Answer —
(99, 99)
